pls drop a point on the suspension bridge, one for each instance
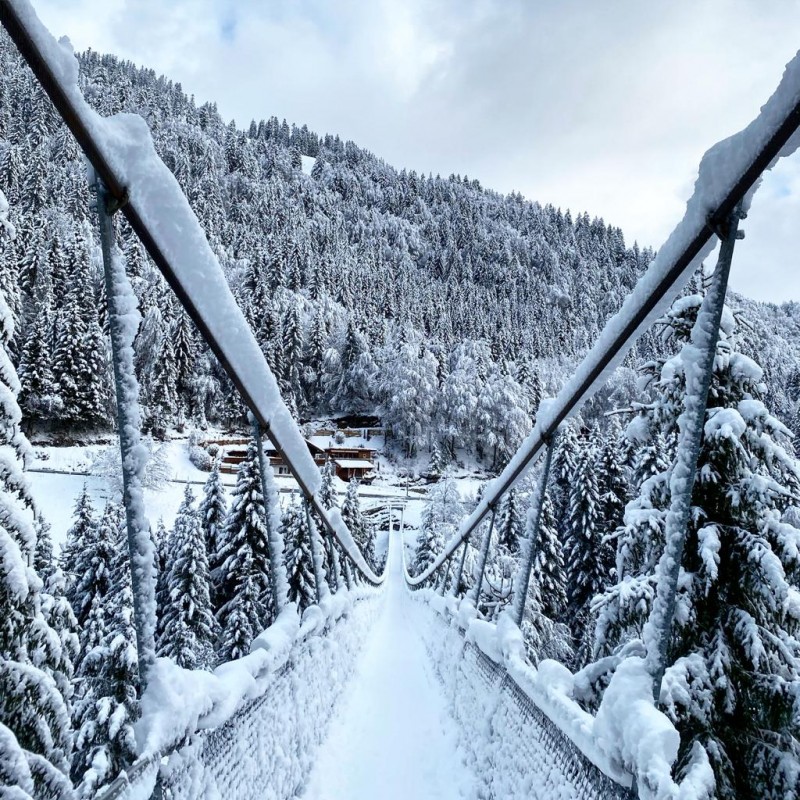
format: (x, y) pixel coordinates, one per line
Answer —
(392, 684)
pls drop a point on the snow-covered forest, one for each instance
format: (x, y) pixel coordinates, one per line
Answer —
(449, 311)
(360, 280)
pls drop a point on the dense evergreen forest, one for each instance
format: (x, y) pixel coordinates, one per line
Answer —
(448, 309)
(360, 280)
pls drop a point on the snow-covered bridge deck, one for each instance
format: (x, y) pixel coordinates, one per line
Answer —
(392, 736)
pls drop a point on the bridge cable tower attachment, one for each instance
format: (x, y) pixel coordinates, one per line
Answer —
(704, 339)
(119, 295)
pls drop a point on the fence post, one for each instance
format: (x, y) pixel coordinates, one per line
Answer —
(460, 573)
(445, 576)
(277, 571)
(485, 545)
(699, 372)
(348, 572)
(119, 296)
(521, 592)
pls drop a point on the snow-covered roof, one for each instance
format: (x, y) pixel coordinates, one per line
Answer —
(350, 443)
(353, 463)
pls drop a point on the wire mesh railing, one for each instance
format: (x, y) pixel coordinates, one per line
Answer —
(265, 748)
(516, 748)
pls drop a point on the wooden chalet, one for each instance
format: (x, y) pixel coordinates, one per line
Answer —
(350, 462)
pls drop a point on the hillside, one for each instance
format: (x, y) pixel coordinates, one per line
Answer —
(361, 281)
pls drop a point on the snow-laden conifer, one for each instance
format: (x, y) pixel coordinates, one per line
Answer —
(104, 716)
(354, 519)
(242, 580)
(43, 559)
(212, 512)
(187, 626)
(440, 518)
(734, 658)
(297, 555)
(543, 629)
(509, 524)
(34, 714)
(586, 556)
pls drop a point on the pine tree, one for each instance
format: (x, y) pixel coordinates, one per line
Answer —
(34, 714)
(509, 523)
(185, 353)
(586, 556)
(161, 543)
(242, 581)
(105, 714)
(546, 636)
(59, 616)
(43, 560)
(564, 463)
(292, 356)
(212, 513)
(334, 556)
(439, 521)
(297, 555)
(734, 657)
(163, 397)
(95, 395)
(94, 567)
(187, 626)
(612, 484)
(36, 393)
(83, 523)
(358, 526)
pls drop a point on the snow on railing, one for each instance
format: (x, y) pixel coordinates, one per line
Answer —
(628, 737)
(121, 151)
(729, 173)
(189, 716)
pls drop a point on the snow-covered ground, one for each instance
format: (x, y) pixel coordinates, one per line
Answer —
(57, 476)
(393, 736)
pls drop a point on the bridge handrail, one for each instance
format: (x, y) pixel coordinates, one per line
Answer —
(550, 686)
(121, 151)
(729, 173)
(179, 703)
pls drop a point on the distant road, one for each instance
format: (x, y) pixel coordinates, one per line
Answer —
(368, 495)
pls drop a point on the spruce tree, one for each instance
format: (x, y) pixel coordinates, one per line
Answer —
(297, 555)
(439, 521)
(586, 556)
(563, 473)
(242, 581)
(212, 513)
(43, 560)
(734, 657)
(509, 524)
(612, 484)
(334, 555)
(187, 626)
(163, 395)
(83, 523)
(543, 629)
(105, 714)
(354, 519)
(34, 714)
(161, 544)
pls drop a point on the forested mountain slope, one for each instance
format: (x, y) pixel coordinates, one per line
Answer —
(440, 303)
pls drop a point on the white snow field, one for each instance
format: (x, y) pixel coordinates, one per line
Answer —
(393, 736)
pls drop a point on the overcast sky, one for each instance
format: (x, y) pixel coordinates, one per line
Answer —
(603, 107)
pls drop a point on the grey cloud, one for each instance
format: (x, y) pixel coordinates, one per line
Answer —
(605, 107)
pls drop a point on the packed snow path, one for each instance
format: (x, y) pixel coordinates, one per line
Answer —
(393, 736)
